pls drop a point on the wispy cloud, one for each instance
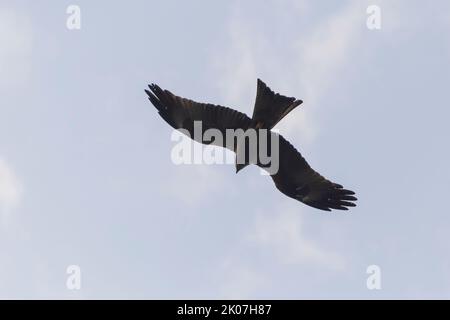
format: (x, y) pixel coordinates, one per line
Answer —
(191, 183)
(315, 58)
(10, 191)
(239, 280)
(236, 62)
(280, 241)
(327, 49)
(16, 45)
(282, 234)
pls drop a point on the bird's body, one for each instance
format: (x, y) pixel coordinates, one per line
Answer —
(293, 175)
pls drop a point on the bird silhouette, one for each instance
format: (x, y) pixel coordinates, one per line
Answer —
(294, 177)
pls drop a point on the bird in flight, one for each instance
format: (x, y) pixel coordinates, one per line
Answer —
(294, 177)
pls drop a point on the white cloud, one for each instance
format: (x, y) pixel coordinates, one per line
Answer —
(237, 65)
(10, 190)
(9, 186)
(15, 48)
(328, 48)
(240, 281)
(316, 56)
(282, 235)
(191, 183)
(279, 240)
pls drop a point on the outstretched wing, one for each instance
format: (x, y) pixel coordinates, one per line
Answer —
(298, 180)
(181, 113)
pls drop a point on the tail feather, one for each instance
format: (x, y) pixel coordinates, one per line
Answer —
(271, 107)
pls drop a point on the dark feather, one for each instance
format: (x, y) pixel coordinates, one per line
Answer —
(295, 178)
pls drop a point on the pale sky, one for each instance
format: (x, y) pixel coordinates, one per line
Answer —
(86, 176)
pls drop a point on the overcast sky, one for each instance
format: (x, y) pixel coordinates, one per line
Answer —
(86, 176)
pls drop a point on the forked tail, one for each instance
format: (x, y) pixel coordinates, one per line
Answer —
(271, 107)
